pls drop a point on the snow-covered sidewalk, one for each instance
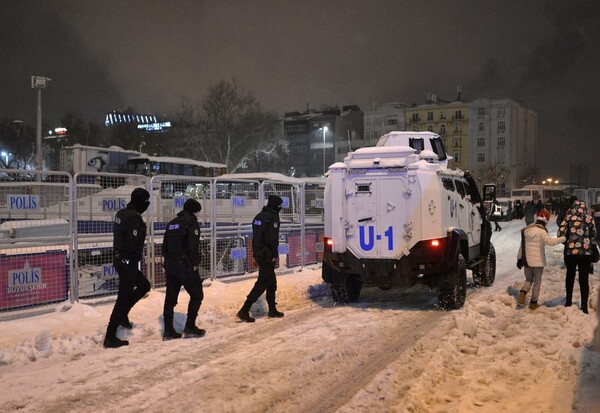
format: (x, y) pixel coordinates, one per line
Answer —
(489, 356)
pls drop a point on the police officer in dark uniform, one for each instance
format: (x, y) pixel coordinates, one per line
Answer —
(129, 232)
(265, 243)
(181, 251)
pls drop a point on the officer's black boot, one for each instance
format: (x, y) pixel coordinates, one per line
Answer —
(170, 333)
(191, 330)
(244, 313)
(111, 340)
(273, 311)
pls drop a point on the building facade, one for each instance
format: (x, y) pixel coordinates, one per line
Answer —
(448, 119)
(503, 139)
(385, 118)
(496, 139)
(317, 139)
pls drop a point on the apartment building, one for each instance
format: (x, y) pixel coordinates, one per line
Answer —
(503, 139)
(382, 119)
(319, 138)
(448, 119)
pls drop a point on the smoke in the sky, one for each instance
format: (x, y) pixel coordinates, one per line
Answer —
(110, 54)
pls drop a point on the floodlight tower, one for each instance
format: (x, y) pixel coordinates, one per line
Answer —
(39, 83)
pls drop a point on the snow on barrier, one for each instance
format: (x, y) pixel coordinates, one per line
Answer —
(35, 239)
(97, 198)
(56, 240)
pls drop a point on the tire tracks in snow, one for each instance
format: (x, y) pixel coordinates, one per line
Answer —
(272, 365)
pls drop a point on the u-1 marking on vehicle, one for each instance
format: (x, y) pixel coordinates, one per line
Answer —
(367, 242)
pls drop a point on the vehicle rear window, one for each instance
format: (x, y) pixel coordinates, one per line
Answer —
(417, 144)
(438, 147)
(448, 184)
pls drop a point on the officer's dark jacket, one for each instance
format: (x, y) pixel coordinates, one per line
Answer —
(265, 231)
(182, 239)
(129, 234)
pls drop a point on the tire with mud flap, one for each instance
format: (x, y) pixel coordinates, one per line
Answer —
(348, 291)
(485, 274)
(453, 297)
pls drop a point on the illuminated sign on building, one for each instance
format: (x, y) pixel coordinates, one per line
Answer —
(153, 127)
(147, 122)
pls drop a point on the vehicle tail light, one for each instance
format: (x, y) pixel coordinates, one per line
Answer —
(328, 244)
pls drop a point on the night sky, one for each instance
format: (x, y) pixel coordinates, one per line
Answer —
(107, 55)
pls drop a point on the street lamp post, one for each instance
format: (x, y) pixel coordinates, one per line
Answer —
(39, 83)
(324, 132)
(550, 181)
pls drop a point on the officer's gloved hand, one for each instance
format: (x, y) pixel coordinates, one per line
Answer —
(520, 263)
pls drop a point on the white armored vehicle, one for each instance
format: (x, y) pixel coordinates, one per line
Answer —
(396, 216)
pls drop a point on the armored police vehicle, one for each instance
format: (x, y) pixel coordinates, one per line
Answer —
(395, 216)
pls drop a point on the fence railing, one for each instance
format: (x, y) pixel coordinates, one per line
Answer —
(56, 230)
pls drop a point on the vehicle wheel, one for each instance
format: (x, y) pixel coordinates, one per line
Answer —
(338, 293)
(347, 292)
(326, 272)
(485, 274)
(353, 287)
(453, 297)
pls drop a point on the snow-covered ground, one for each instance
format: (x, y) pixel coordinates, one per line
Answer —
(393, 351)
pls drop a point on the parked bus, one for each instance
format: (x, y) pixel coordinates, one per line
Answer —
(590, 196)
(82, 158)
(535, 193)
(168, 165)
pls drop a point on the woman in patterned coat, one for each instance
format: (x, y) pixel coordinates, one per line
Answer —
(578, 227)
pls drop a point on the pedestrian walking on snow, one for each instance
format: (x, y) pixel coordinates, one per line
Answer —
(181, 251)
(532, 256)
(265, 244)
(495, 214)
(529, 211)
(578, 227)
(129, 235)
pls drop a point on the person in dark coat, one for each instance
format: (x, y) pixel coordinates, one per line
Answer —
(265, 232)
(518, 210)
(578, 227)
(529, 211)
(539, 206)
(181, 252)
(495, 213)
(129, 234)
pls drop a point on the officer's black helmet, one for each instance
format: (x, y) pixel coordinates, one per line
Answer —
(274, 201)
(191, 205)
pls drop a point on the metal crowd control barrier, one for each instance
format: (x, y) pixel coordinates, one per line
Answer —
(236, 204)
(97, 197)
(169, 194)
(56, 230)
(35, 239)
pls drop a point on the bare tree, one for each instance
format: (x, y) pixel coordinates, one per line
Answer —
(229, 126)
(493, 174)
(17, 139)
(531, 176)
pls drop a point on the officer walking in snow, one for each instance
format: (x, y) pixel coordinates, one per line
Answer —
(265, 233)
(129, 233)
(181, 251)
